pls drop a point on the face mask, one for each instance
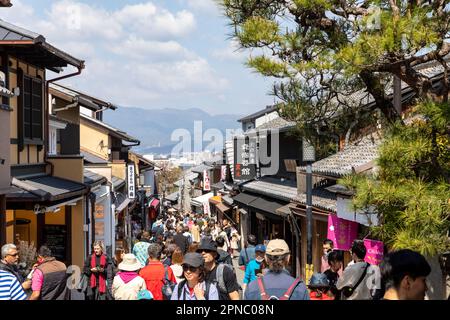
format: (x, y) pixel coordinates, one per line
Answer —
(259, 260)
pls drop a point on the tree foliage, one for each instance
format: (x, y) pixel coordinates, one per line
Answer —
(411, 190)
(331, 56)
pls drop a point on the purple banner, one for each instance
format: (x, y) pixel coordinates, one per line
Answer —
(341, 232)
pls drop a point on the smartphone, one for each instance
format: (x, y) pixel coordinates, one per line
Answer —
(30, 275)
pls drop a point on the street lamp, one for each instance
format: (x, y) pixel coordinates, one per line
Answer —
(309, 156)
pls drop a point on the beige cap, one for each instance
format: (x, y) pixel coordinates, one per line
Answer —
(277, 247)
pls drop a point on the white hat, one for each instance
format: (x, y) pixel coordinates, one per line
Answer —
(129, 263)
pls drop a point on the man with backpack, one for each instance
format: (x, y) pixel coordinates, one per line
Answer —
(155, 274)
(222, 275)
(277, 283)
(360, 280)
(248, 254)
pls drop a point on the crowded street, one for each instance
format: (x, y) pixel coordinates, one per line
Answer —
(236, 151)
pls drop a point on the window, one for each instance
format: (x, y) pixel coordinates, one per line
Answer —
(31, 109)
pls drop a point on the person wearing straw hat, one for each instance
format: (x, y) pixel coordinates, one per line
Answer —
(277, 283)
(127, 283)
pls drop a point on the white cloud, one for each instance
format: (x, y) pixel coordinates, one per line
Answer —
(140, 49)
(207, 6)
(133, 54)
(156, 23)
(231, 53)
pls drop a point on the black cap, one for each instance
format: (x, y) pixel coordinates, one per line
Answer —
(193, 259)
(207, 244)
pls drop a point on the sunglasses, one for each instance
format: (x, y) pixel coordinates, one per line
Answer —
(205, 251)
(189, 268)
(14, 255)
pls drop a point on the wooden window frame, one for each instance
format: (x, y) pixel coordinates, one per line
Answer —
(23, 139)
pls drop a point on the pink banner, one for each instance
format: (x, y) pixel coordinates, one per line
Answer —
(375, 251)
(341, 232)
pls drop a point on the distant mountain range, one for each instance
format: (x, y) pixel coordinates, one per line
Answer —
(154, 127)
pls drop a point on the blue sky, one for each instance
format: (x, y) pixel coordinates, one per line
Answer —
(149, 54)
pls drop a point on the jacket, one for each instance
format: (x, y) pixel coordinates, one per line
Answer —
(154, 275)
(54, 286)
(276, 284)
(127, 291)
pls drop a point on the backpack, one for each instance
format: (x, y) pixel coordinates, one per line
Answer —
(220, 281)
(168, 286)
(181, 287)
(286, 296)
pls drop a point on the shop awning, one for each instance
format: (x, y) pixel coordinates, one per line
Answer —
(123, 205)
(154, 203)
(202, 199)
(266, 205)
(222, 207)
(45, 188)
(173, 197)
(244, 198)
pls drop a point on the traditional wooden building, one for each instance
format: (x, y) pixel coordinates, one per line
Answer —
(46, 203)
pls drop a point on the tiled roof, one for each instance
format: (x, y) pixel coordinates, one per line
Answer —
(50, 188)
(321, 198)
(277, 123)
(201, 168)
(10, 32)
(117, 182)
(351, 157)
(92, 178)
(191, 176)
(91, 158)
(259, 113)
(275, 188)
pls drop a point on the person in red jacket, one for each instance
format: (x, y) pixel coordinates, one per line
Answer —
(155, 272)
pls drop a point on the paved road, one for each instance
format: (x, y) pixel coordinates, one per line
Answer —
(239, 273)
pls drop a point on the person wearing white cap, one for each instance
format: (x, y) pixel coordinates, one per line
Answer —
(127, 283)
(277, 283)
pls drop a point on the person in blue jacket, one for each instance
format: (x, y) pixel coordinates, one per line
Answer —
(254, 265)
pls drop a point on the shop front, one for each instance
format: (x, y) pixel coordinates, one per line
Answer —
(48, 210)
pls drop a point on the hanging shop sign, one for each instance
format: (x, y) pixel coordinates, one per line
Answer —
(375, 251)
(131, 182)
(341, 232)
(206, 181)
(245, 159)
(223, 172)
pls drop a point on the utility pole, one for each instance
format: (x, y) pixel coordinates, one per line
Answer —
(308, 157)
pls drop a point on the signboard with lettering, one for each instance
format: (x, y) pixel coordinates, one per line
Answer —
(206, 181)
(375, 251)
(131, 181)
(341, 232)
(55, 237)
(245, 159)
(223, 172)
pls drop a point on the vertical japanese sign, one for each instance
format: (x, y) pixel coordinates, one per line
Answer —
(245, 159)
(206, 208)
(375, 251)
(131, 182)
(206, 181)
(223, 172)
(341, 232)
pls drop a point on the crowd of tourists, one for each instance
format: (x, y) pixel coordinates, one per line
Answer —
(190, 257)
